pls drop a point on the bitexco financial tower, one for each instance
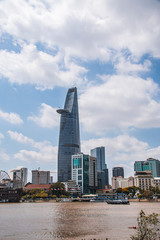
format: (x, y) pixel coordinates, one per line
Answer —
(69, 137)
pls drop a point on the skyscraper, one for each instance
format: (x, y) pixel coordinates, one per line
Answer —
(102, 171)
(99, 153)
(69, 137)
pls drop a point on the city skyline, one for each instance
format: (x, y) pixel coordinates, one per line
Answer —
(109, 50)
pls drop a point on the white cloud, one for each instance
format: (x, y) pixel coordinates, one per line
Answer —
(86, 29)
(12, 118)
(122, 150)
(44, 152)
(48, 117)
(31, 66)
(120, 102)
(128, 66)
(78, 31)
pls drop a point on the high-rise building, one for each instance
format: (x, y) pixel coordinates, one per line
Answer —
(40, 177)
(102, 171)
(19, 177)
(151, 164)
(69, 136)
(118, 172)
(84, 172)
(99, 153)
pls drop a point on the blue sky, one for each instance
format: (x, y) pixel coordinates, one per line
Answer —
(108, 49)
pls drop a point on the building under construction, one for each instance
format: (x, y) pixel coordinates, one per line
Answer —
(40, 177)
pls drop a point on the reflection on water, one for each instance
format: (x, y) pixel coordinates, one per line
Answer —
(35, 221)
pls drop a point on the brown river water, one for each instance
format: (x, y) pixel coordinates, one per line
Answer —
(69, 221)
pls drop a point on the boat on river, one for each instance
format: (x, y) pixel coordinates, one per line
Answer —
(98, 199)
(118, 201)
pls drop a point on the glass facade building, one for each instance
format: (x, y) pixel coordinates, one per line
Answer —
(102, 170)
(99, 153)
(84, 172)
(118, 172)
(69, 136)
(151, 164)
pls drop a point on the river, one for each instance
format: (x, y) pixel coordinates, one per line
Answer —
(70, 221)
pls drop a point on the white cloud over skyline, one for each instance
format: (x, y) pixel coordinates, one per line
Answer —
(122, 150)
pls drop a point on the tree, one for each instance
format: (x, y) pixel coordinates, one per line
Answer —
(125, 190)
(147, 227)
(119, 190)
(147, 194)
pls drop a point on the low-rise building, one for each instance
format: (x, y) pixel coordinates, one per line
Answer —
(72, 187)
(120, 182)
(143, 180)
(38, 186)
(157, 182)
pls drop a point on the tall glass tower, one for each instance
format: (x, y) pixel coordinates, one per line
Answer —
(69, 137)
(99, 153)
(102, 170)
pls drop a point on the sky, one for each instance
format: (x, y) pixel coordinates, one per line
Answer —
(109, 50)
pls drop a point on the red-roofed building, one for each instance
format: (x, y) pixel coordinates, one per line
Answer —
(38, 186)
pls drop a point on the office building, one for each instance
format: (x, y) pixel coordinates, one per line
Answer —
(143, 180)
(102, 171)
(99, 153)
(118, 172)
(40, 177)
(150, 164)
(19, 177)
(69, 136)
(84, 172)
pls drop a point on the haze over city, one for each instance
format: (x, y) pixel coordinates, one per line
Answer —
(109, 50)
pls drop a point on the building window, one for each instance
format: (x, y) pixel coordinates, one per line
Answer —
(79, 177)
(77, 163)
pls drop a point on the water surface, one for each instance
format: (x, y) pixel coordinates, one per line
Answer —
(36, 221)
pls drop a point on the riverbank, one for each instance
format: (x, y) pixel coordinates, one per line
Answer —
(70, 200)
